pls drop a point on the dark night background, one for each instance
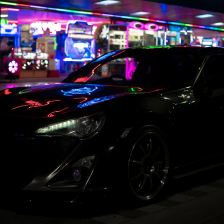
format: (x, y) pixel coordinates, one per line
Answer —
(209, 5)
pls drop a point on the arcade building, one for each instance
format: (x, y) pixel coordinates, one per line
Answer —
(54, 44)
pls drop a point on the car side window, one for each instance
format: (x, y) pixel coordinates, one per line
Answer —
(213, 72)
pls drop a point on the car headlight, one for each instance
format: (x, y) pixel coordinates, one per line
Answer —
(79, 127)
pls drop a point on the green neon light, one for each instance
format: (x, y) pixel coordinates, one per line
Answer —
(143, 19)
(55, 43)
(8, 3)
(3, 21)
(161, 46)
(82, 12)
(184, 24)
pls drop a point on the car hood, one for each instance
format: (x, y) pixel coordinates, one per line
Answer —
(55, 99)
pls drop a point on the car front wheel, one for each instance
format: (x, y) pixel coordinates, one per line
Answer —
(147, 164)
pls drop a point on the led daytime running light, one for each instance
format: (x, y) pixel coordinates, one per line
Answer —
(78, 127)
(55, 127)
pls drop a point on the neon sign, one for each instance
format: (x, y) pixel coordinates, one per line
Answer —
(13, 66)
(142, 26)
(8, 28)
(40, 27)
(78, 27)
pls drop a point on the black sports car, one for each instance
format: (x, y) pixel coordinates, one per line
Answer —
(124, 123)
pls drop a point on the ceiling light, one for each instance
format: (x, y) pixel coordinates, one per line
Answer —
(217, 24)
(107, 2)
(204, 16)
(139, 13)
(2, 15)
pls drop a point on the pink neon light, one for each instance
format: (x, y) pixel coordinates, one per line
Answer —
(82, 79)
(148, 26)
(32, 104)
(133, 25)
(93, 71)
(13, 66)
(11, 86)
(12, 21)
(52, 113)
(99, 14)
(9, 9)
(152, 20)
(23, 5)
(7, 92)
(97, 22)
(144, 26)
(127, 45)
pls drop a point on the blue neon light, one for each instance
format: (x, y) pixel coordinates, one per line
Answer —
(105, 56)
(85, 90)
(96, 100)
(10, 29)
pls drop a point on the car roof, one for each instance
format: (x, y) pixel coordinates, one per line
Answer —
(180, 47)
(174, 49)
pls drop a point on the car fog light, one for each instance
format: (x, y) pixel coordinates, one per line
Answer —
(77, 175)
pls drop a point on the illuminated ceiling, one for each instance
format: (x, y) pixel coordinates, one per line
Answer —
(158, 11)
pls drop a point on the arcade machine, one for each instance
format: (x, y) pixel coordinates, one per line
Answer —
(186, 36)
(46, 45)
(9, 66)
(79, 45)
(34, 64)
(208, 42)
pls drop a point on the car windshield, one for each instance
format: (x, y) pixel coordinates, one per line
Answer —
(159, 67)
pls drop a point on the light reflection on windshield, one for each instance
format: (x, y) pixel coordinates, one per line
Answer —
(105, 56)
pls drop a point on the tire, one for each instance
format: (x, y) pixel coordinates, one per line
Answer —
(146, 164)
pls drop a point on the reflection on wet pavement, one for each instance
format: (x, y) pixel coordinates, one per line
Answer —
(28, 82)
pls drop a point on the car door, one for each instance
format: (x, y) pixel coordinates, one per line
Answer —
(198, 114)
(209, 111)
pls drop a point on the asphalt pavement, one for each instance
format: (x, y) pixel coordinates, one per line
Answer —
(198, 199)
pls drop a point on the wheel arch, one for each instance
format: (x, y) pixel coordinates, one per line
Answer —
(164, 123)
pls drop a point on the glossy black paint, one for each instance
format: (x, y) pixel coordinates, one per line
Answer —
(191, 121)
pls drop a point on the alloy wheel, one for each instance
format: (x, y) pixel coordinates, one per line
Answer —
(148, 166)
